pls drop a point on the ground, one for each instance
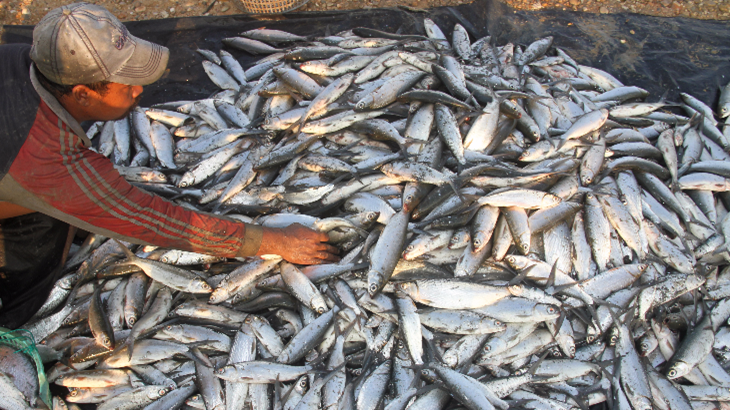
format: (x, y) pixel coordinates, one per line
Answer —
(30, 11)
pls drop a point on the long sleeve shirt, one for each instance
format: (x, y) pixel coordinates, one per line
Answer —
(46, 166)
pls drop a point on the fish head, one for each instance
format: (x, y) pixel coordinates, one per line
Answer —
(184, 181)
(513, 262)
(156, 394)
(408, 250)
(302, 385)
(592, 335)
(364, 103)
(319, 306)
(567, 345)
(225, 373)
(494, 344)
(73, 395)
(107, 342)
(218, 295)
(200, 286)
(375, 280)
(409, 288)
(613, 336)
(477, 242)
(678, 369)
(172, 329)
(195, 401)
(547, 310)
(646, 346)
(586, 178)
(429, 375)
(372, 216)
(525, 248)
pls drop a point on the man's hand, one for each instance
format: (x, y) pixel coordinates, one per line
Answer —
(298, 244)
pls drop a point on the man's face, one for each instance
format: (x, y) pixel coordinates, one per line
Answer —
(116, 103)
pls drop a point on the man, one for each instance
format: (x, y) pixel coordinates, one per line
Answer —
(83, 66)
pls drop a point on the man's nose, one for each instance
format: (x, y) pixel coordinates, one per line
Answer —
(136, 91)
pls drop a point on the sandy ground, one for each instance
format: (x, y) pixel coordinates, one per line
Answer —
(30, 11)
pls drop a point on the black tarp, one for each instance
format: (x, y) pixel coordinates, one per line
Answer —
(659, 54)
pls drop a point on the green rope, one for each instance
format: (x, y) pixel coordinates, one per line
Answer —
(23, 340)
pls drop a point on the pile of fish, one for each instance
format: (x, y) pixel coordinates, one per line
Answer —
(516, 230)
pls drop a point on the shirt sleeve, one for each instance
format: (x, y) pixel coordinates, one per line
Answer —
(83, 185)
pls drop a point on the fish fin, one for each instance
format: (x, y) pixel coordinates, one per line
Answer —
(129, 343)
(521, 276)
(434, 351)
(195, 355)
(533, 368)
(129, 254)
(551, 278)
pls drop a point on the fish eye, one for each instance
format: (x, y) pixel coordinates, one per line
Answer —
(672, 373)
(373, 287)
(162, 392)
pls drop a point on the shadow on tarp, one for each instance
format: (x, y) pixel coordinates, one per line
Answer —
(670, 55)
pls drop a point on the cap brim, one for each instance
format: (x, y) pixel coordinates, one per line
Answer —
(147, 64)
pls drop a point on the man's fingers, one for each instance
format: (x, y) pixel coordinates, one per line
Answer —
(328, 257)
(311, 261)
(329, 248)
(323, 237)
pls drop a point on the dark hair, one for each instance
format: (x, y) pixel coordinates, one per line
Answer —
(59, 90)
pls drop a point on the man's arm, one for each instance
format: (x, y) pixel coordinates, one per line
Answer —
(62, 178)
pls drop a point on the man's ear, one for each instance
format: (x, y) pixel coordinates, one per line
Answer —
(82, 95)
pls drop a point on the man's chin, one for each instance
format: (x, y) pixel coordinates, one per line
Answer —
(130, 109)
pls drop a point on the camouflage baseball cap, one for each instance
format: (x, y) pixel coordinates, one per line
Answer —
(83, 43)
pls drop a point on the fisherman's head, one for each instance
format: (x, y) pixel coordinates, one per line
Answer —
(88, 60)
